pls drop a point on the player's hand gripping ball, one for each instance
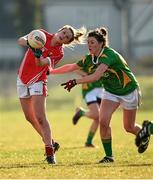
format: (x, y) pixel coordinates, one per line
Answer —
(36, 39)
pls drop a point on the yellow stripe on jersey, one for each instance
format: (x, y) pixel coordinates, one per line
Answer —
(84, 86)
(83, 60)
(104, 56)
(90, 69)
(114, 72)
(126, 79)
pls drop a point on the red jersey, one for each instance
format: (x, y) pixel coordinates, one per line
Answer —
(29, 72)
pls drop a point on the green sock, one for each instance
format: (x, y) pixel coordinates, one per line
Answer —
(82, 112)
(151, 128)
(107, 145)
(90, 137)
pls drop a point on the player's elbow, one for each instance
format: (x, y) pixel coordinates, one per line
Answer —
(19, 42)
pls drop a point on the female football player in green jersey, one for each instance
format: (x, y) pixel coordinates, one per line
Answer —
(92, 95)
(120, 87)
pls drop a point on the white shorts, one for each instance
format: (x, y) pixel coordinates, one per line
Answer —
(93, 95)
(130, 101)
(25, 91)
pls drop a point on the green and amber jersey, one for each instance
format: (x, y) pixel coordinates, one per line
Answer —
(118, 78)
(87, 66)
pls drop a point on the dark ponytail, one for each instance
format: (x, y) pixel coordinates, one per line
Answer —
(103, 31)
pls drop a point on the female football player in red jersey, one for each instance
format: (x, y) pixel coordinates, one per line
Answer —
(32, 80)
(120, 87)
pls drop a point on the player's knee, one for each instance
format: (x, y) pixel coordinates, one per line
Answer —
(95, 117)
(103, 130)
(104, 126)
(96, 122)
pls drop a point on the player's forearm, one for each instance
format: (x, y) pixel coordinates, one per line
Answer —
(81, 73)
(93, 77)
(88, 79)
(22, 41)
(64, 69)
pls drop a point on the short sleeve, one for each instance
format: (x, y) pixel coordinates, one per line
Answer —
(81, 62)
(106, 60)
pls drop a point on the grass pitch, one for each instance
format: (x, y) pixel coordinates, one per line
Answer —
(21, 149)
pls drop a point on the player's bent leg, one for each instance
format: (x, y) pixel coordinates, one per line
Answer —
(93, 114)
(79, 113)
(91, 134)
(129, 116)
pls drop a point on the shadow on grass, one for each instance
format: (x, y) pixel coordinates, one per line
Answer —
(29, 165)
(110, 165)
(137, 165)
(44, 165)
(71, 165)
(80, 147)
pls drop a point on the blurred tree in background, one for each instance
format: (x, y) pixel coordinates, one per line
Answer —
(7, 29)
(28, 15)
(18, 17)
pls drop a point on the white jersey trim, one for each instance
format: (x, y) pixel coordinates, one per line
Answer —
(22, 65)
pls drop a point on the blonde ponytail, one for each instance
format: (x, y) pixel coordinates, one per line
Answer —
(79, 35)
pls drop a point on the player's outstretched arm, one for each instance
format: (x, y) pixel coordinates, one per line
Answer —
(65, 69)
(86, 79)
(81, 73)
(93, 77)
